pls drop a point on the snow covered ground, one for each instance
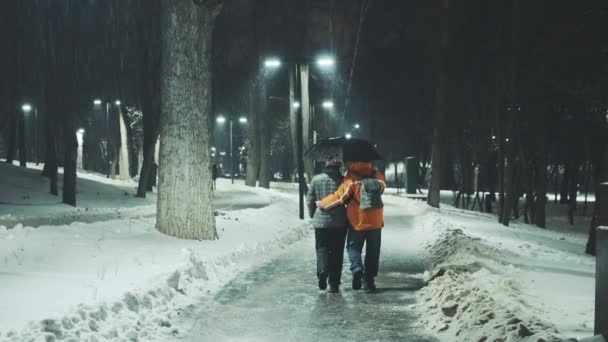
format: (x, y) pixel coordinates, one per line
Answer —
(121, 280)
(489, 282)
(117, 279)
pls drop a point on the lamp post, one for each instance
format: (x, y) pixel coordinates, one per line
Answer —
(323, 62)
(221, 120)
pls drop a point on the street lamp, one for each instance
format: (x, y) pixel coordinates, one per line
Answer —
(326, 62)
(323, 62)
(98, 103)
(26, 108)
(222, 120)
(357, 126)
(328, 104)
(272, 63)
(348, 136)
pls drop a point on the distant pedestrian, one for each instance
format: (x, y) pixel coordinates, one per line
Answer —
(214, 174)
(361, 192)
(330, 227)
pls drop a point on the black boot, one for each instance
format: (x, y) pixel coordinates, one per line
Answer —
(369, 285)
(322, 280)
(357, 280)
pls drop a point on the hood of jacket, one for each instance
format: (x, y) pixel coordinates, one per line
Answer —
(360, 169)
(334, 173)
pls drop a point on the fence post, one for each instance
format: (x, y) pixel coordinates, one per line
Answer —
(601, 282)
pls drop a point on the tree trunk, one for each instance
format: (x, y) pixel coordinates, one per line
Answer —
(253, 141)
(124, 164)
(363, 9)
(265, 136)
(305, 103)
(293, 112)
(541, 180)
(69, 164)
(439, 115)
(185, 189)
(21, 140)
(50, 164)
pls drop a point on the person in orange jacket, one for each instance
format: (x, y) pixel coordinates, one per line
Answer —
(360, 191)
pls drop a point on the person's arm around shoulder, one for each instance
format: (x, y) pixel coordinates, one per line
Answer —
(339, 197)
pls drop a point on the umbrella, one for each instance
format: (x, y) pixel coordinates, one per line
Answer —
(343, 149)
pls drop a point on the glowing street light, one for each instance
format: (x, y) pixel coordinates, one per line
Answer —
(97, 102)
(296, 105)
(26, 107)
(348, 136)
(272, 63)
(220, 119)
(117, 102)
(357, 126)
(328, 104)
(243, 120)
(326, 62)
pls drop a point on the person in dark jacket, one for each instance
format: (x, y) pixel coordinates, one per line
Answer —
(330, 226)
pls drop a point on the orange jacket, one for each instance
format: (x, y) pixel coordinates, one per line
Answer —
(349, 194)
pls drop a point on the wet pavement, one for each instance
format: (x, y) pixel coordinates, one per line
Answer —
(280, 300)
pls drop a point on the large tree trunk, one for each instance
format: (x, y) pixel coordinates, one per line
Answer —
(123, 163)
(253, 141)
(440, 109)
(541, 177)
(50, 164)
(21, 140)
(265, 136)
(185, 189)
(69, 164)
(293, 112)
(12, 136)
(305, 98)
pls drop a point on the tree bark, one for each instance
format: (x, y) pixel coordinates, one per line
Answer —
(293, 119)
(185, 189)
(253, 141)
(69, 164)
(440, 109)
(123, 163)
(364, 8)
(21, 140)
(305, 103)
(265, 137)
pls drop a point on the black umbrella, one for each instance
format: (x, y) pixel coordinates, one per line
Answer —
(343, 149)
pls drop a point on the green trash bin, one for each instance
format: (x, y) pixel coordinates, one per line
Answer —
(411, 172)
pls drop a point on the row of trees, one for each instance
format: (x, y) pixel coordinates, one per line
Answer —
(155, 56)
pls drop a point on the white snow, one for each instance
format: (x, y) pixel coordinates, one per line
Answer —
(120, 279)
(489, 282)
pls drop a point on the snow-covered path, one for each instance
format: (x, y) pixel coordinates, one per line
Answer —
(279, 301)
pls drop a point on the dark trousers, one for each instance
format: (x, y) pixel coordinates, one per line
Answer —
(329, 243)
(354, 247)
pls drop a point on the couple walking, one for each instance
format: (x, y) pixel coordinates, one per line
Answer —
(347, 208)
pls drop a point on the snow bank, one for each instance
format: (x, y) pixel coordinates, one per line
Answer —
(121, 280)
(488, 282)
